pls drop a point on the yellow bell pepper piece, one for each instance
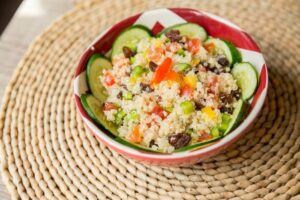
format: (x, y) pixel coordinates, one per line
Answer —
(132, 80)
(209, 112)
(195, 61)
(190, 80)
(158, 43)
(145, 55)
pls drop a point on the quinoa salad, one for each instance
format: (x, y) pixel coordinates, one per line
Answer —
(179, 90)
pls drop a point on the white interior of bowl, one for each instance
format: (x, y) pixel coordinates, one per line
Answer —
(168, 18)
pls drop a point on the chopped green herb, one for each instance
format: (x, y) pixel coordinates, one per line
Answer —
(137, 71)
(180, 52)
(133, 115)
(119, 116)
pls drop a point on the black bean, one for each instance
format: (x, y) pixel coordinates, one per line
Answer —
(152, 142)
(159, 98)
(199, 105)
(179, 140)
(174, 35)
(152, 66)
(128, 52)
(226, 98)
(146, 87)
(222, 60)
(228, 110)
(120, 94)
(236, 93)
(123, 86)
(128, 73)
(214, 70)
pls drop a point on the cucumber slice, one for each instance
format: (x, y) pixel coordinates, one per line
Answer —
(228, 49)
(94, 69)
(225, 122)
(197, 145)
(215, 132)
(129, 37)
(94, 109)
(188, 29)
(238, 115)
(246, 77)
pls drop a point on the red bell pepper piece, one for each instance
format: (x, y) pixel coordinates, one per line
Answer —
(159, 111)
(162, 70)
(109, 79)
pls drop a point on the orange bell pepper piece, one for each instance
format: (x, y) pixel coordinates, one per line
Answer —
(209, 47)
(136, 136)
(173, 76)
(155, 53)
(186, 90)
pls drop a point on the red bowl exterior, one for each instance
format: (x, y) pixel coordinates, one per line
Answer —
(215, 28)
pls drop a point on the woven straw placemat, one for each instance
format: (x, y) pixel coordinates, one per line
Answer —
(47, 153)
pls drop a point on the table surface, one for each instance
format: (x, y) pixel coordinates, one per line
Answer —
(36, 14)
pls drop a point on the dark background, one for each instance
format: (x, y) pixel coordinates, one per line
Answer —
(7, 10)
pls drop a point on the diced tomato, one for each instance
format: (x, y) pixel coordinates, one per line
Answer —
(213, 85)
(186, 90)
(162, 70)
(109, 106)
(210, 47)
(136, 136)
(215, 80)
(173, 76)
(159, 111)
(194, 45)
(109, 79)
(204, 136)
(155, 53)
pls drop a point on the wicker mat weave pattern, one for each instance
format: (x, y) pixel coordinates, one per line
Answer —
(47, 153)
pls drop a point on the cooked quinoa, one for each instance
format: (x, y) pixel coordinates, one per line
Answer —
(180, 108)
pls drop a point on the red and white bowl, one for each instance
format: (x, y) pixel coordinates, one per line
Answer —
(156, 20)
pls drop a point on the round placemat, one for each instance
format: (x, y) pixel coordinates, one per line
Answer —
(48, 153)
